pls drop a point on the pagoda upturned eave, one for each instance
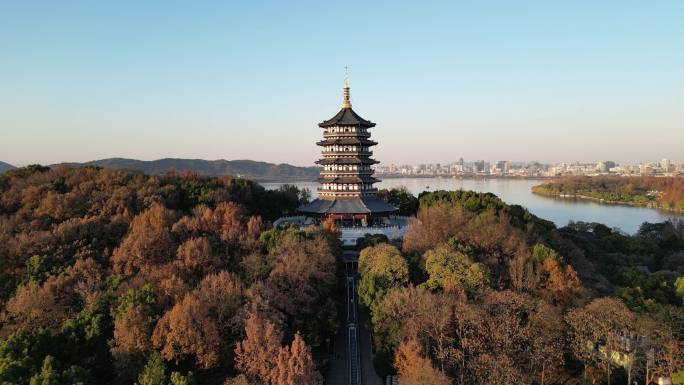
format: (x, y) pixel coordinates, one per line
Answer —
(346, 117)
(346, 161)
(347, 141)
(353, 205)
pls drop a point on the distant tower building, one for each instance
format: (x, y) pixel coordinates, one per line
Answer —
(502, 167)
(346, 191)
(665, 164)
(601, 167)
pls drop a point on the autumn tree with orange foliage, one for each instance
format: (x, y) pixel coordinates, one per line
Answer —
(148, 243)
(188, 332)
(257, 354)
(295, 365)
(414, 369)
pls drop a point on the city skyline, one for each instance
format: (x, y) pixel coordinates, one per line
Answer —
(532, 81)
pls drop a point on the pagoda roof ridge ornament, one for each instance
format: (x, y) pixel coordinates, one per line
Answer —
(346, 102)
(346, 116)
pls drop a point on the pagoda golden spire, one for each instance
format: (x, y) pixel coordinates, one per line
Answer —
(346, 103)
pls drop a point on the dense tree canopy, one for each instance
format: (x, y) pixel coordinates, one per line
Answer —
(496, 295)
(118, 277)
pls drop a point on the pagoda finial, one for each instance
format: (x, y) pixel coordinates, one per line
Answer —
(346, 103)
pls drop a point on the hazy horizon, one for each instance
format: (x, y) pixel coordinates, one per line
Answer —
(562, 82)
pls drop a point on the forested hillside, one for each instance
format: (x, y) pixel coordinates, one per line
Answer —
(481, 292)
(243, 168)
(5, 166)
(665, 193)
(116, 277)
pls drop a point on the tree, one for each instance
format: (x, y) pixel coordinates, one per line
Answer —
(679, 288)
(238, 380)
(301, 285)
(295, 365)
(227, 220)
(508, 331)
(154, 372)
(596, 333)
(188, 331)
(134, 320)
(179, 379)
(406, 203)
(543, 273)
(257, 354)
(222, 295)
(51, 374)
(547, 347)
(22, 354)
(47, 375)
(584, 334)
(34, 306)
(147, 244)
(382, 267)
(434, 225)
(196, 257)
(132, 333)
(415, 369)
(413, 313)
(447, 267)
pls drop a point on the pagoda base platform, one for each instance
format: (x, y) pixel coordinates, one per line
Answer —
(353, 205)
(393, 227)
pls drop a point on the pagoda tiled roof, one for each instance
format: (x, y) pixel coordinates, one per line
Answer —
(346, 161)
(343, 141)
(347, 117)
(355, 205)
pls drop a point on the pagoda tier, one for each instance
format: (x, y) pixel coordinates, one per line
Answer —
(346, 181)
(345, 160)
(347, 142)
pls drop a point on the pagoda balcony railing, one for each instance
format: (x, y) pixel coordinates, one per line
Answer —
(346, 134)
(370, 143)
(347, 172)
(367, 191)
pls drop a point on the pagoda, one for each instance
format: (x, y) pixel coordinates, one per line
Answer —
(346, 192)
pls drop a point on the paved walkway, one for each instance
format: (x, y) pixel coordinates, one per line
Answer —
(337, 371)
(352, 360)
(368, 375)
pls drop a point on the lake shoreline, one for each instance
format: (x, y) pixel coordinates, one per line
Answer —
(581, 197)
(399, 176)
(518, 191)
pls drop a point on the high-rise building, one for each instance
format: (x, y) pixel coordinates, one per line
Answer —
(665, 165)
(502, 167)
(346, 191)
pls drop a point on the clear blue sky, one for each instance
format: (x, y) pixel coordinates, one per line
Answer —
(547, 80)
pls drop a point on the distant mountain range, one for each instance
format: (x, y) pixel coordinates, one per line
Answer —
(5, 166)
(262, 171)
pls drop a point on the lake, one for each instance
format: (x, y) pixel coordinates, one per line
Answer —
(518, 191)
